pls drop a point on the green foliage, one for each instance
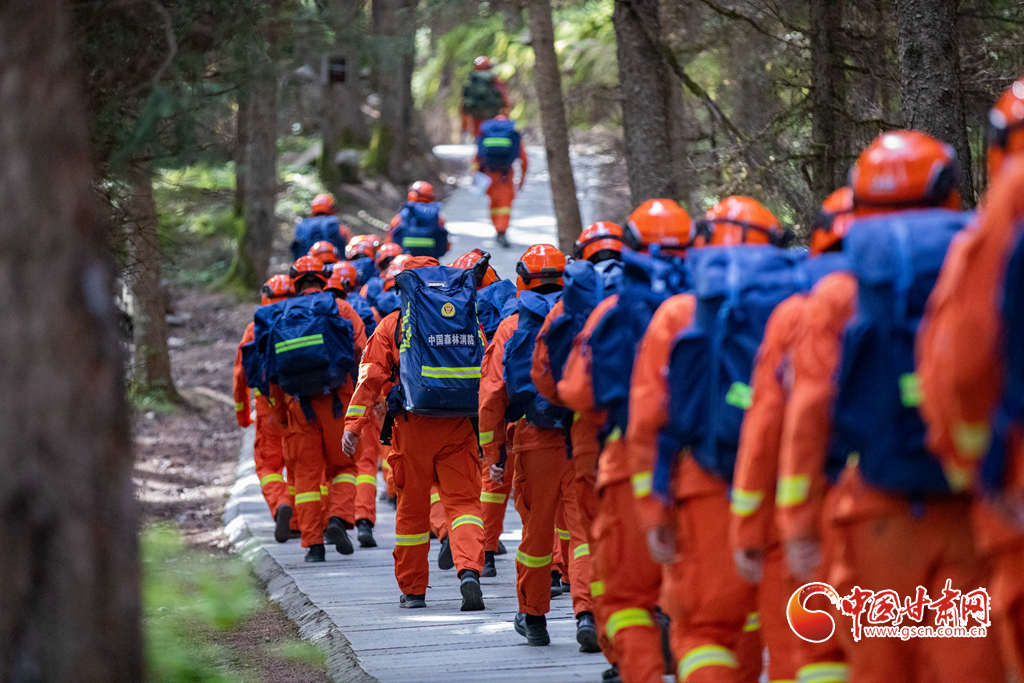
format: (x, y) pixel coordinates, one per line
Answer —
(153, 399)
(376, 159)
(185, 593)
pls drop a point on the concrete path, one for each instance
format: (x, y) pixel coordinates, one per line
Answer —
(350, 604)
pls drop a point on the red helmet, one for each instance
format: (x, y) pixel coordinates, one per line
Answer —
(905, 169)
(1005, 134)
(541, 264)
(275, 289)
(741, 220)
(421, 191)
(308, 266)
(362, 246)
(833, 221)
(323, 205)
(481, 63)
(470, 259)
(661, 222)
(325, 251)
(343, 277)
(598, 237)
(386, 253)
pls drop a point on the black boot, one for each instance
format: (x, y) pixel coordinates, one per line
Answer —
(283, 519)
(316, 553)
(611, 675)
(489, 568)
(444, 558)
(365, 530)
(664, 625)
(502, 241)
(412, 601)
(337, 535)
(586, 632)
(472, 596)
(534, 629)
(501, 549)
(556, 583)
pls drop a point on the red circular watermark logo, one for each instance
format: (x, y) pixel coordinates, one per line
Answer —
(814, 626)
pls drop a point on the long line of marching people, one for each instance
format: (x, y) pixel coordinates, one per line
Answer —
(710, 434)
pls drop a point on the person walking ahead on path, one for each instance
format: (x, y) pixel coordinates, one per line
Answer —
(426, 448)
(484, 96)
(418, 226)
(498, 146)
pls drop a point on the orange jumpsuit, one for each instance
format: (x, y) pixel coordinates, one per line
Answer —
(543, 477)
(628, 634)
(268, 447)
(315, 448)
(713, 610)
(803, 494)
(958, 356)
(884, 541)
(494, 496)
(367, 457)
(752, 520)
(425, 451)
(502, 191)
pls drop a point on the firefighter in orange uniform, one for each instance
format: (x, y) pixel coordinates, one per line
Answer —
(268, 446)
(885, 540)
(544, 475)
(424, 450)
(627, 600)
(315, 445)
(959, 352)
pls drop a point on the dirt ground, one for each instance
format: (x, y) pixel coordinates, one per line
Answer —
(185, 467)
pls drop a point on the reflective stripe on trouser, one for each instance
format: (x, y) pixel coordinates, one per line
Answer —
(616, 544)
(425, 449)
(824, 672)
(315, 450)
(367, 456)
(709, 608)
(438, 524)
(493, 502)
(268, 453)
(501, 192)
(544, 481)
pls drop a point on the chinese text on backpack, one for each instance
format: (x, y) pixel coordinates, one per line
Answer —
(311, 349)
(645, 283)
(481, 97)
(440, 345)
(711, 361)
(896, 259)
(316, 229)
(586, 285)
(523, 399)
(498, 145)
(420, 232)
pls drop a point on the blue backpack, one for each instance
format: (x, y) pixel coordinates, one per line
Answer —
(498, 145)
(310, 349)
(523, 399)
(366, 270)
(387, 302)
(896, 259)
(363, 310)
(316, 229)
(440, 345)
(646, 281)
(736, 289)
(1010, 410)
(491, 302)
(586, 285)
(419, 231)
(374, 287)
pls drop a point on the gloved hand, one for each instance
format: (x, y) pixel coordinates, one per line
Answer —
(497, 474)
(242, 416)
(749, 563)
(661, 540)
(349, 441)
(803, 556)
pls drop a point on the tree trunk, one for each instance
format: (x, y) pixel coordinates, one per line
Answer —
(241, 142)
(394, 26)
(646, 101)
(930, 82)
(548, 82)
(253, 258)
(69, 599)
(343, 125)
(149, 316)
(828, 97)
